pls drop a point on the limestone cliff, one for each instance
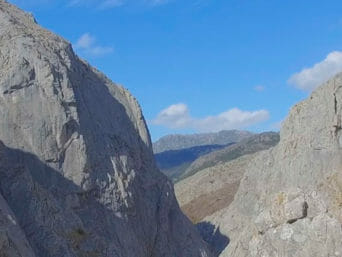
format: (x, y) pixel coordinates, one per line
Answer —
(289, 201)
(77, 173)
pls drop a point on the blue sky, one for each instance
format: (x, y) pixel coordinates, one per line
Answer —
(204, 65)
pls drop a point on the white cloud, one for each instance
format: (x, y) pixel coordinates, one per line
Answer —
(174, 116)
(87, 44)
(178, 116)
(259, 88)
(310, 78)
(85, 41)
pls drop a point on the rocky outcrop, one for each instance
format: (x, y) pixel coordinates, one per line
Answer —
(77, 173)
(289, 201)
(177, 142)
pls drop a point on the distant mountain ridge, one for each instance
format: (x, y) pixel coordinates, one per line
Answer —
(249, 145)
(173, 163)
(169, 159)
(182, 163)
(178, 141)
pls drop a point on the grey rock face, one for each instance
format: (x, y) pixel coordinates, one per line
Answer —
(176, 142)
(76, 161)
(289, 201)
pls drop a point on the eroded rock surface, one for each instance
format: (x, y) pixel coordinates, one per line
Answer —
(289, 201)
(76, 162)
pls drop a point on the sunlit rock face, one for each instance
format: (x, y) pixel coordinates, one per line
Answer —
(77, 175)
(290, 200)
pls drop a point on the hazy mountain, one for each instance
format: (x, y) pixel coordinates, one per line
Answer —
(249, 145)
(176, 142)
(173, 163)
(187, 148)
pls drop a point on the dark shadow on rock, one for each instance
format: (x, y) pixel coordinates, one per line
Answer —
(212, 235)
(59, 217)
(37, 194)
(56, 215)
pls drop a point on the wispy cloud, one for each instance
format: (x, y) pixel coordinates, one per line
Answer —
(157, 2)
(178, 116)
(277, 125)
(97, 4)
(28, 3)
(310, 78)
(106, 4)
(111, 3)
(259, 88)
(87, 44)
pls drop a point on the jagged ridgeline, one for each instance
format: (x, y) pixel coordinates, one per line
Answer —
(77, 174)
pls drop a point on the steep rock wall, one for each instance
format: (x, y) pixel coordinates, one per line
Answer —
(77, 167)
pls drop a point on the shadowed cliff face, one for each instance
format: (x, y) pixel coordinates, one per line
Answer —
(60, 219)
(213, 236)
(76, 165)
